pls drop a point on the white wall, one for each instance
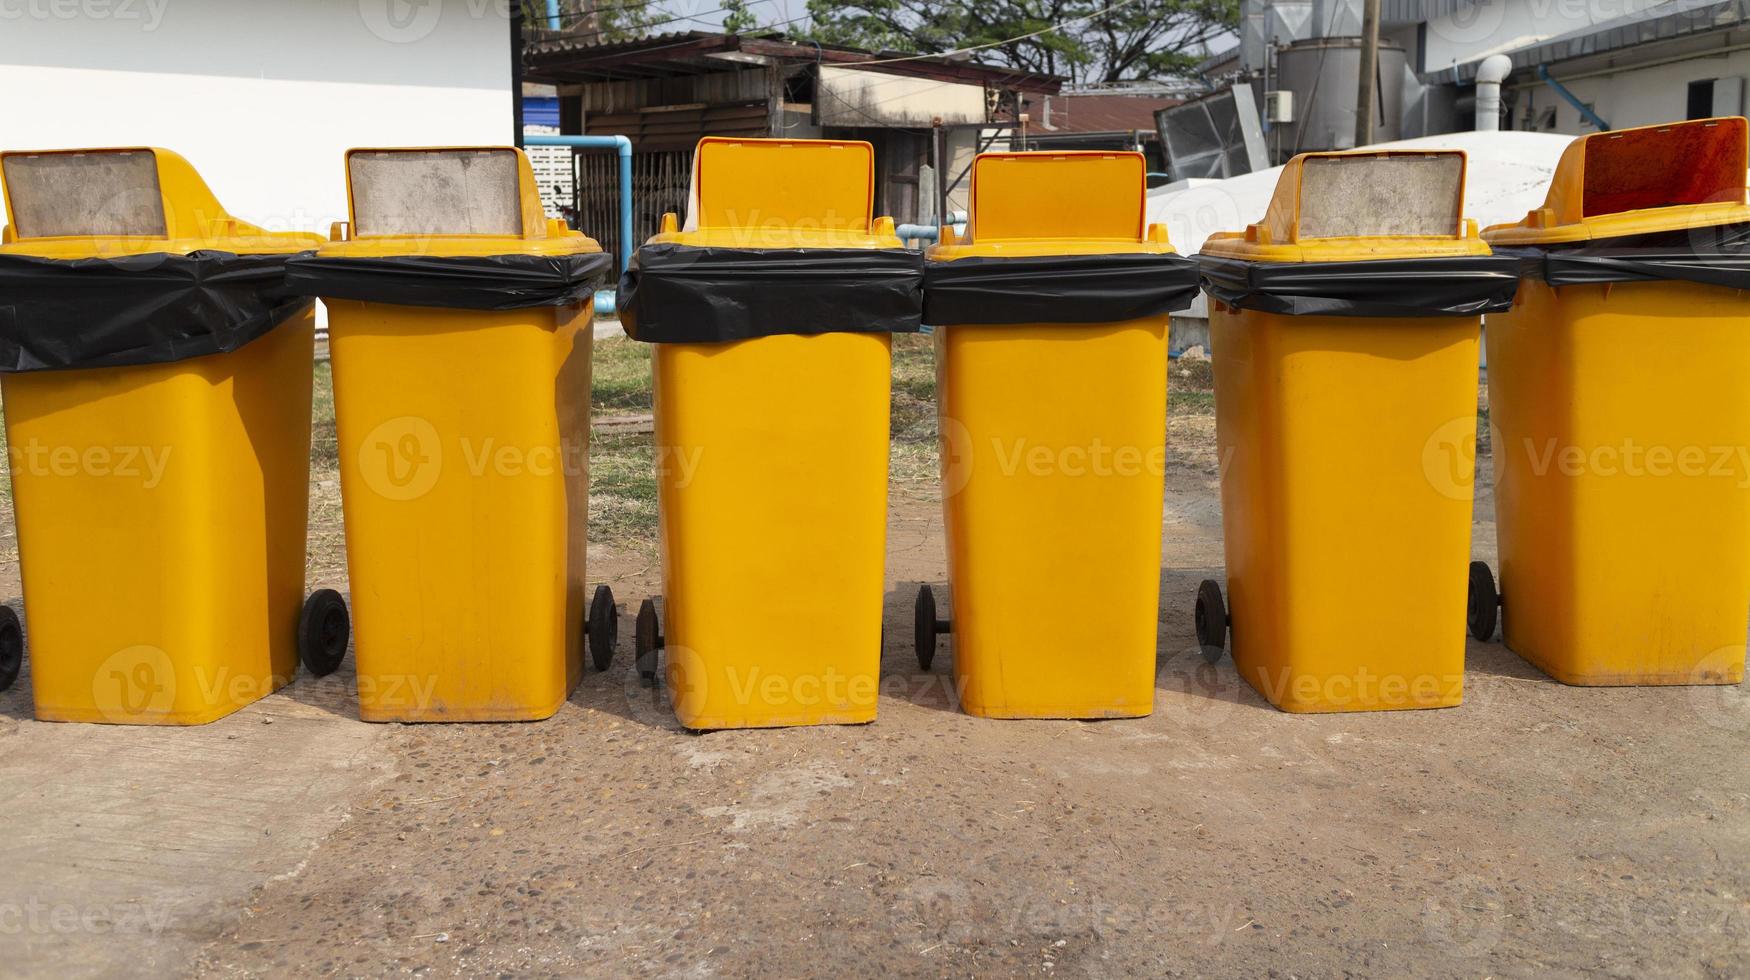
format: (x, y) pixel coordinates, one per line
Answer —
(1483, 28)
(261, 96)
(1634, 97)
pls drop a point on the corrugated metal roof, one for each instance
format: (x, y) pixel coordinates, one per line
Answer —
(1395, 12)
(570, 57)
(1105, 113)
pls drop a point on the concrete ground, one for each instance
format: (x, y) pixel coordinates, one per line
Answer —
(1538, 830)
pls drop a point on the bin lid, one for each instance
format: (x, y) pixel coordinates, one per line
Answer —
(118, 201)
(1360, 205)
(780, 193)
(1639, 181)
(1088, 202)
(446, 201)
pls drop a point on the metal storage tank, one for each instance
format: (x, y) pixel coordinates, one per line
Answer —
(1323, 74)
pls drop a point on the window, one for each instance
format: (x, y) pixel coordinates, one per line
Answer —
(1701, 99)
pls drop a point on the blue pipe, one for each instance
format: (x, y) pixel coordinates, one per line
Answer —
(604, 299)
(624, 147)
(1573, 100)
(906, 233)
(552, 15)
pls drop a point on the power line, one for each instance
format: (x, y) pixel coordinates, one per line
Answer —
(997, 44)
(580, 35)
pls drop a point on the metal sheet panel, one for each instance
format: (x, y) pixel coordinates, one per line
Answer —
(79, 194)
(854, 97)
(1216, 136)
(436, 192)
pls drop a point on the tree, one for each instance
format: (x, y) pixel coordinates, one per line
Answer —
(1085, 40)
(737, 19)
(597, 21)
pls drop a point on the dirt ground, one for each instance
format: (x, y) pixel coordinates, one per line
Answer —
(1538, 830)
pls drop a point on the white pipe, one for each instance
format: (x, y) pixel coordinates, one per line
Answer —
(1490, 74)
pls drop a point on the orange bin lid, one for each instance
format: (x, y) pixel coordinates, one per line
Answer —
(447, 201)
(781, 193)
(1056, 203)
(1639, 181)
(1360, 205)
(124, 200)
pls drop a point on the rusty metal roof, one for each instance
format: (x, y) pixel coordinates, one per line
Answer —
(569, 57)
(1103, 113)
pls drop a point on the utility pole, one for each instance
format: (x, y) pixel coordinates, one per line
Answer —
(1369, 72)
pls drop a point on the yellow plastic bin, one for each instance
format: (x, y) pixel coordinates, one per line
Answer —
(157, 389)
(770, 317)
(1051, 363)
(1620, 415)
(1344, 330)
(459, 321)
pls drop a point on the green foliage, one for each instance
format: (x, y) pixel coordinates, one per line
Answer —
(599, 21)
(737, 19)
(1085, 40)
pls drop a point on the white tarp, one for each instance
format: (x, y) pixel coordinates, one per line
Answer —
(1506, 175)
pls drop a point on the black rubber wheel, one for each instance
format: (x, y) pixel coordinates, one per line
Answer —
(323, 631)
(647, 639)
(924, 626)
(604, 627)
(11, 647)
(1483, 605)
(1211, 621)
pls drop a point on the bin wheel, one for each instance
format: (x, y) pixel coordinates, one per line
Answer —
(323, 630)
(603, 629)
(926, 627)
(1483, 604)
(647, 639)
(11, 647)
(1212, 621)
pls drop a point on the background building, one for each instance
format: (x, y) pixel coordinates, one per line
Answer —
(1112, 117)
(263, 97)
(1566, 66)
(926, 116)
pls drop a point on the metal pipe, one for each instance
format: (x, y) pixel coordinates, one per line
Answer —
(1490, 74)
(1572, 99)
(1369, 71)
(623, 147)
(552, 15)
(930, 233)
